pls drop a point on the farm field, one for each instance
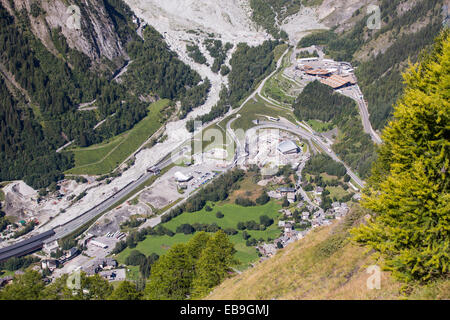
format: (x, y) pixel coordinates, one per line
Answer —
(105, 157)
(232, 215)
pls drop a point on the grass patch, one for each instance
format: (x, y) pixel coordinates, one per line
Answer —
(255, 110)
(133, 273)
(246, 185)
(105, 157)
(337, 192)
(6, 273)
(320, 126)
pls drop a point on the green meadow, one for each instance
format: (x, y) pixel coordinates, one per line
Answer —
(232, 215)
(105, 157)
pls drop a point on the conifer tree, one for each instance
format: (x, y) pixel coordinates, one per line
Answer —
(125, 291)
(408, 192)
(214, 264)
(171, 275)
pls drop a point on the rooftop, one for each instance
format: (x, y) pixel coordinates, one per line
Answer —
(288, 146)
(336, 81)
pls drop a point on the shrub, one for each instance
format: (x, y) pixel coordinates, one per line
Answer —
(185, 228)
(263, 199)
(135, 258)
(219, 215)
(265, 220)
(230, 231)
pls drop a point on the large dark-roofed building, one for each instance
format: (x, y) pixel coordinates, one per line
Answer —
(26, 246)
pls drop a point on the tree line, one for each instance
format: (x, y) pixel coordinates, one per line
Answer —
(188, 270)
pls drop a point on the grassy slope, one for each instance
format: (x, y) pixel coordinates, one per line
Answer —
(232, 215)
(324, 265)
(103, 158)
(252, 111)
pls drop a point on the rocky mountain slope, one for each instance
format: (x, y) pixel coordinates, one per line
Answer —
(60, 55)
(98, 36)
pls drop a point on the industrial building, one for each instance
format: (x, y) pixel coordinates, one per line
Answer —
(98, 244)
(288, 147)
(338, 82)
(180, 177)
(50, 247)
(318, 72)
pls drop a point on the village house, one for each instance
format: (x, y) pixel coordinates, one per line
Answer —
(318, 191)
(274, 194)
(305, 215)
(357, 197)
(50, 264)
(290, 193)
(101, 264)
(5, 280)
(268, 250)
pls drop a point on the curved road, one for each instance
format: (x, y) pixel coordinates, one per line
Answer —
(356, 94)
(308, 136)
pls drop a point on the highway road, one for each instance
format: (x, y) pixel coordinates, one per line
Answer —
(356, 94)
(86, 217)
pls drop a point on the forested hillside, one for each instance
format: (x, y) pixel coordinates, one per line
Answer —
(319, 101)
(44, 83)
(186, 271)
(381, 55)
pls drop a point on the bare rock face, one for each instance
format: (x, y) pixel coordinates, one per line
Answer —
(85, 24)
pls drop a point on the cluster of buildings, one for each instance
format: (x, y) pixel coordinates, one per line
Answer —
(338, 210)
(16, 227)
(337, 76)
(100, 265)
(289, 193)
(51, 248)
(313, 218)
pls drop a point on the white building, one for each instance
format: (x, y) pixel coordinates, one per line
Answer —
(98, 244)
(50, 247)
(180, 177)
